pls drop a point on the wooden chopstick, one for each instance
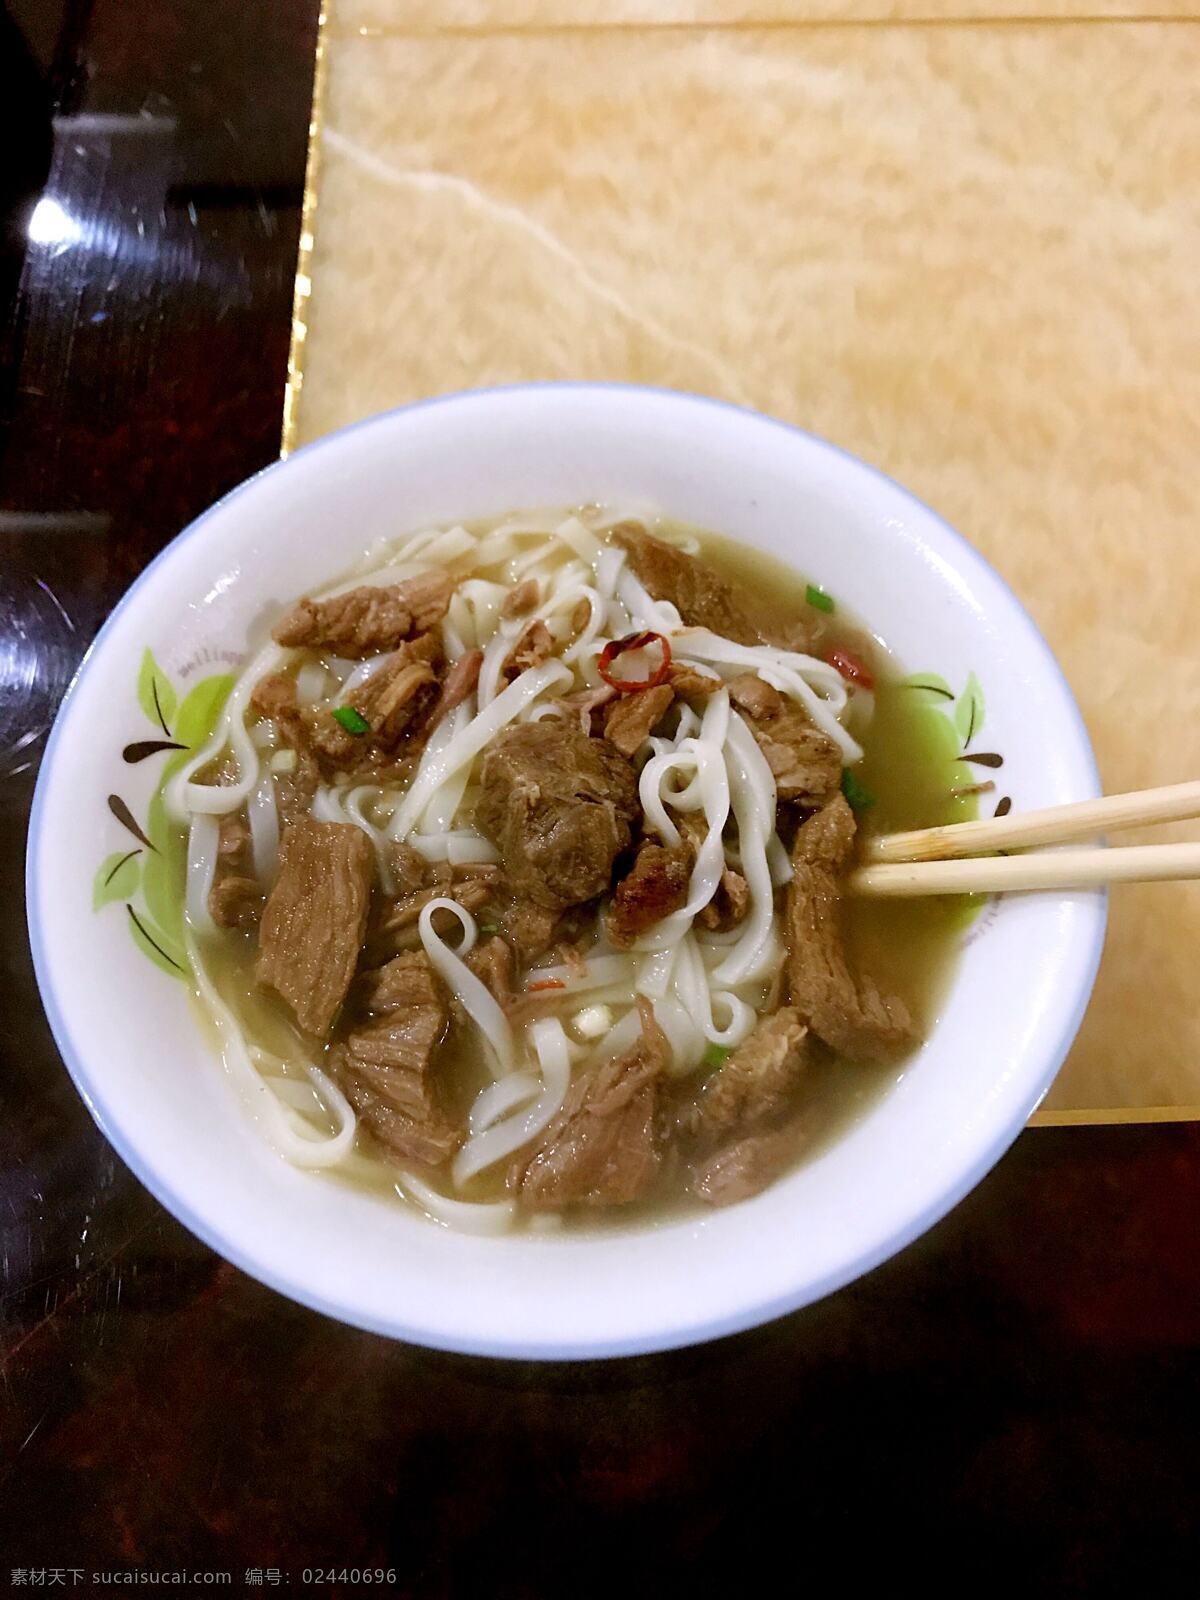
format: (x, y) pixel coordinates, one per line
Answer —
(1054, 825)
(1049, 869)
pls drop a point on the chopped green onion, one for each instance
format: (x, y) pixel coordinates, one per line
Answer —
(715, 1055)
(860, 799)
(818, 598)
(489, 927)
(353, 721)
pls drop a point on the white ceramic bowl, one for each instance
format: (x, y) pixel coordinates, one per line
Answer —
(150, 1075)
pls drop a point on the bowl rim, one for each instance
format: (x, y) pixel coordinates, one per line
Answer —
(263, 1270)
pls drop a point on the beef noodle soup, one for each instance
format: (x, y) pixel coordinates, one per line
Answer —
(514, 866)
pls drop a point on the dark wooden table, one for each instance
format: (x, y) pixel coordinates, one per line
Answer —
(1014, 1399)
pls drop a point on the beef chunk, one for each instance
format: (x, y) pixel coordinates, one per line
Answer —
(274, 697)
(756, 1082)
(394, 926)
(655, 886)
(690, 683)
(701, 596)
(397, 696)
(520, 599)
(585, 703)
(235, 899)
(601, 1149)
(693, 829)
(492, 963)
(296, 789)
(407, 980)
(385, 1066)
(235, 902)
(743, 1167)
(558, 805)
(534, 646)
(391, 698)
(529, 928)
(315, 918)
(807, 764)
(367, 620)
(729, 905)
(410, 869)
(850, 1015)
(459, 682)
(755, 696)
(633, 718)
(741, 1126)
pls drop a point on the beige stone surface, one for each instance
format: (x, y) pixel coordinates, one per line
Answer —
(968, 254)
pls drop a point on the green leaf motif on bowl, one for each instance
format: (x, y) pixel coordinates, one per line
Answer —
(149, 878)
(116, 878)
(969, 711)
(156, 693)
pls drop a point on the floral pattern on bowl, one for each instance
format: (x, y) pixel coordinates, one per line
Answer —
(149, 876)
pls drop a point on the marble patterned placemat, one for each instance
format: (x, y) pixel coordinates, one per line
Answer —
(960, 242)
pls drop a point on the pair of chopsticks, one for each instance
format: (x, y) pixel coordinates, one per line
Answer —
(959, 859)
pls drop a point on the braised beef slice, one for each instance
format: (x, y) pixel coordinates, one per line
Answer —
(849, 1014)
(315, 917)
(235, 902)
(754, 695)
(492, 963)
(729, 905)
(459, 682)
(274, 697)
(395, 699)
(741, 1128)
(520, 599)
(406, 980)
(296, 789)
(386, 1065)
(743, 1167)
(528, 930)
(701, 596)
(602, 1147)
(585, 704)
(395, 921)
(235, 899)
(732, 899)
(534, 646)
(557, 805)
(806, 763)
(367, 620)
(689, 683)
(528, 927)
(632, 719)
(409, 868)
(654, 887)
(754, 1084)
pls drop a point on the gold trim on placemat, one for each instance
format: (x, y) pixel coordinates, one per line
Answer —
(308, 212)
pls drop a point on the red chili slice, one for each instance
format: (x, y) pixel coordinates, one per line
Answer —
(851, 668)
(545, 983)
(634, 641)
